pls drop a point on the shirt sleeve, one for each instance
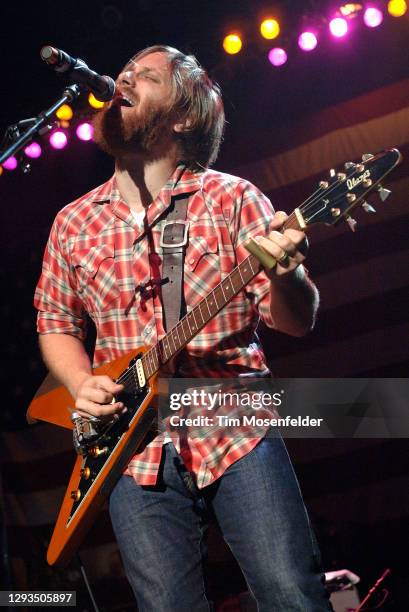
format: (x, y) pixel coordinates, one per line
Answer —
(60, 310)
(251, 216)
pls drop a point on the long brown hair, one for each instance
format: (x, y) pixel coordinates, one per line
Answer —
(198, 102)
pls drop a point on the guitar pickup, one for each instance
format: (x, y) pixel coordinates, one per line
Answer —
(140, 373)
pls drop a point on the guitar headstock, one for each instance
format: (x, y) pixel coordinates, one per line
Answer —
(338, 195)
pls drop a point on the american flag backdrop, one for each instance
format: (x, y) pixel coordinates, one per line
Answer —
(356, 490)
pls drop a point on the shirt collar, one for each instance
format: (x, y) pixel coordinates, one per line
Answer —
(182, 181)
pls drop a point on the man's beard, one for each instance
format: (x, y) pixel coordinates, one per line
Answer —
(141, 134)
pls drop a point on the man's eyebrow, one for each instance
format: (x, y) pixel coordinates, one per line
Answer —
(143, 68)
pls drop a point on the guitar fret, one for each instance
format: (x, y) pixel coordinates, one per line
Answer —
(165, 344)
(176, 333)
(199, 309)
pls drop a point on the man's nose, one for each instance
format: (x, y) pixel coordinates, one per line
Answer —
(126, 78)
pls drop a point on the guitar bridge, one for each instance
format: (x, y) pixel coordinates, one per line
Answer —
(87, 431)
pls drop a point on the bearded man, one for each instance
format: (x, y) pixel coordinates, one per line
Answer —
(104, 257)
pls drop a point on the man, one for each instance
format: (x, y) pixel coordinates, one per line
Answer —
(104, 257)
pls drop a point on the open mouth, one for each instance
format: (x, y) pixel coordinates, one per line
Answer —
(124, 101)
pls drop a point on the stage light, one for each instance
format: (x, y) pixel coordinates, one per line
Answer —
(33, 150)
(307, 41)
(338, 27)
(64, 112)
(270, 28)
(1, 170)
(277, 56)
(373, 17)
(58, 140)
(85, 131)
(10, 163)
(232, 44)
(351, 9)
(94, 102)
(397, 8)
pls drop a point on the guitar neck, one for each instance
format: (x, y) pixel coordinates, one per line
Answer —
(191, 324)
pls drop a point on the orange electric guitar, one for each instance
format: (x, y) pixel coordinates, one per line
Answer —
(105, 448)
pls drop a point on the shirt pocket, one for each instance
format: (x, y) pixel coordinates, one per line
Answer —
(202, 268)
(95, 274)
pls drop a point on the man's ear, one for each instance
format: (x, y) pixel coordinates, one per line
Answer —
(182, 127)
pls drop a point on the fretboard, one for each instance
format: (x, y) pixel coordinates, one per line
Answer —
(191, 324)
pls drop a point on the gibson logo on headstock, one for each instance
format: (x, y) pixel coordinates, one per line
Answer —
(353, 182)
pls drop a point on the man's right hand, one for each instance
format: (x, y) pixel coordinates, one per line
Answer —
(95, 396)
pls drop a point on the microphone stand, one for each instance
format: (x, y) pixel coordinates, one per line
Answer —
(30, 127)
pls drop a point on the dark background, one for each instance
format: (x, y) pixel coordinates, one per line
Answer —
(259, 100)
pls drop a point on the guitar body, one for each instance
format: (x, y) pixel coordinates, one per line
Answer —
(97, 470)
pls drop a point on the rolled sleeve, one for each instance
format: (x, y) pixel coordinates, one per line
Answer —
(60, 310)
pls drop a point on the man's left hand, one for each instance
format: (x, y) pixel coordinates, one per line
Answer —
(289, 247)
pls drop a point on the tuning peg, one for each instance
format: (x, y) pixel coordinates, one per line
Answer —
(352, 223)
(349, 165)
(384, 193)
(367, 156)
(368, 208)
(332, 173)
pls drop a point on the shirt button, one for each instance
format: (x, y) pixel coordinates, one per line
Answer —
(147, 331)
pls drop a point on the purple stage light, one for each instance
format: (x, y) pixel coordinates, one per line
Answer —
(10, 163)
(33, 150)
(58, 139)
(307, 41)
(85, 131)
(277, 56)
(373, 17)
(338, 27)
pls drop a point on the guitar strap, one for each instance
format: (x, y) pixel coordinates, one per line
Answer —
(173, 241)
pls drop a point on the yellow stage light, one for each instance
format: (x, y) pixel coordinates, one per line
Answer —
(397, 8)
(1, 170)
(232, 44)
(350, 9)
(270, 28)
(65, 112)
(94, 102)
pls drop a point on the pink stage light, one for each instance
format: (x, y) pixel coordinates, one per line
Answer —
(85, 131)
(373, 17)
(338, 27)
(58, 139)
(10, 163)
(277, 56)
(307, 41)
(33, 150)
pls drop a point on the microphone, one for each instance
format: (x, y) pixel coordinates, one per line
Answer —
(102, 86)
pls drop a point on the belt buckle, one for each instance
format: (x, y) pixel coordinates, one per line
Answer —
(183, 242)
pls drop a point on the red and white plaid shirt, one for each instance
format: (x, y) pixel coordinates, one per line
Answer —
(98, 255)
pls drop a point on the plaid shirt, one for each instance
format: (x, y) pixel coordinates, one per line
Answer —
(98, 255)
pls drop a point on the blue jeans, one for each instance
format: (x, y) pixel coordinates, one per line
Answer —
(258, 506)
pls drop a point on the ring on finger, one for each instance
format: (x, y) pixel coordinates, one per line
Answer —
(283, 260)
